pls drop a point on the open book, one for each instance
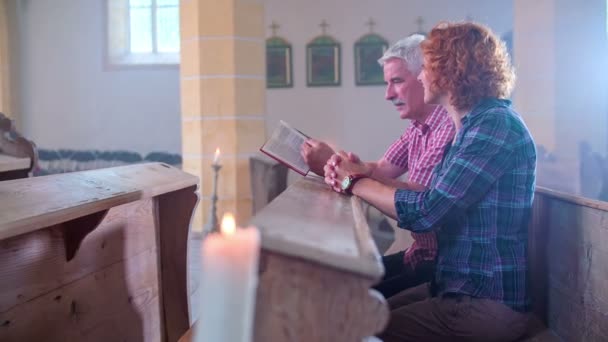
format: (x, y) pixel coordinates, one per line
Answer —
(284, 146)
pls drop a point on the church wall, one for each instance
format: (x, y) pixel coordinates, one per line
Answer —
(357, 118)
(561, 55)
(581, 83)
(67, 88)
(71, 100)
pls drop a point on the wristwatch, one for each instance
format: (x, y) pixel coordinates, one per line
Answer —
(349, 181)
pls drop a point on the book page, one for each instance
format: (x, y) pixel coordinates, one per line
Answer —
(284, 145)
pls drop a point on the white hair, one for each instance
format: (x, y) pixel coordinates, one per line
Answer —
(407, 49)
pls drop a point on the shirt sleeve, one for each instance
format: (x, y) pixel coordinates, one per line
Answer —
(397, 153)
(432, 155)
(478, 161)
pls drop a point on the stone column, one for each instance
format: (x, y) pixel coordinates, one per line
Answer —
(6, 99)
(222, 98)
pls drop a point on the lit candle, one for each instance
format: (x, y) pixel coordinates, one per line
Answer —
(216, 157)
(228, 284)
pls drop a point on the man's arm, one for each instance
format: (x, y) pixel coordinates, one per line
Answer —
(386, 173)
(371, 190)
(391, 165)
(383, 169)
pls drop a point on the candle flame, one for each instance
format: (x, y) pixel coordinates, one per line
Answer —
(217, 152)
(228, 225)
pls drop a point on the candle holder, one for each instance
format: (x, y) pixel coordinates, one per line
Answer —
(212, 223)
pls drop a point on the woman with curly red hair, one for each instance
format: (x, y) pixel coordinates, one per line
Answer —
(479, 201)
(468, 62)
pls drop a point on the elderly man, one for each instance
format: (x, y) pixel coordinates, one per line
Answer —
(417, 152)
(479, 201)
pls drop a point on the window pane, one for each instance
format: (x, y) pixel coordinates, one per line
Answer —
(141, 30)
(167, 3)
(167, 29)
(140, 3)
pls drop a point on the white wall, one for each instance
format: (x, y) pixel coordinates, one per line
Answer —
(68, 97)
(581, 67)
(357, 118)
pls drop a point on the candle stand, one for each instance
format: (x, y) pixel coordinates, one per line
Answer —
(212, 223)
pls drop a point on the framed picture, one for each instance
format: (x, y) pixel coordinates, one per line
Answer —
(368, 50)
(279, 73)
(323, 62)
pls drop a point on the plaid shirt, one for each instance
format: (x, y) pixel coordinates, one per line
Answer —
(481, 195)
(418, 150)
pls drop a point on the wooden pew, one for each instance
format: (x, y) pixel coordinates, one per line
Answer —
(568, 251)
(96, 255)
(318, 262)
(18, 155)
(268, 180)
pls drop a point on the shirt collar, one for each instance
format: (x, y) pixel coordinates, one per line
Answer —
(431, 122)
(483, 105)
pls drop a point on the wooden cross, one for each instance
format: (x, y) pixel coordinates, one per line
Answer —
(371, 23)
(274, 27)
(324, 25)
(419, 23)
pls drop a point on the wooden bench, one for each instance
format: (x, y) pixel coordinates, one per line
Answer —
(317, 264)
(96, 255)
(18, 155)
(568, 253)
(268, 180)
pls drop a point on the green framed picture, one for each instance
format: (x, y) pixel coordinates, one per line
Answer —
(368, 50)
(323, 62)
(279, 72)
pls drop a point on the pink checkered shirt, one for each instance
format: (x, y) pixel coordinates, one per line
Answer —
(418, 150)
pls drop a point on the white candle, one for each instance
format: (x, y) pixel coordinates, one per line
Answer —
(228, 284)
(216, 157)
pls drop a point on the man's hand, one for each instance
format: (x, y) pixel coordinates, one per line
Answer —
(341, 165)
(375, 193)
(329, 170)
(316, 154)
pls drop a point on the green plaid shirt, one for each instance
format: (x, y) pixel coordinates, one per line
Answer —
(480, 201)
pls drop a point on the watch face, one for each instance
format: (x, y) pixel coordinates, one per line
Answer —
(345, 183)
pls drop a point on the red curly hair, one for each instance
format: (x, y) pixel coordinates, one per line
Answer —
(469, 62)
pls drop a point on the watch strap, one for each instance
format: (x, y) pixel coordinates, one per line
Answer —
(353, 180)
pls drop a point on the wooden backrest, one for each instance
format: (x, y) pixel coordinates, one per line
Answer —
(568, 250)
(31, 204)
(268, 180)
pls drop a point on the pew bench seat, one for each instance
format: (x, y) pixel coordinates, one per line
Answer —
(539, 332)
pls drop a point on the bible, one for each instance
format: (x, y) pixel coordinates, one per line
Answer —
(284, 146)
